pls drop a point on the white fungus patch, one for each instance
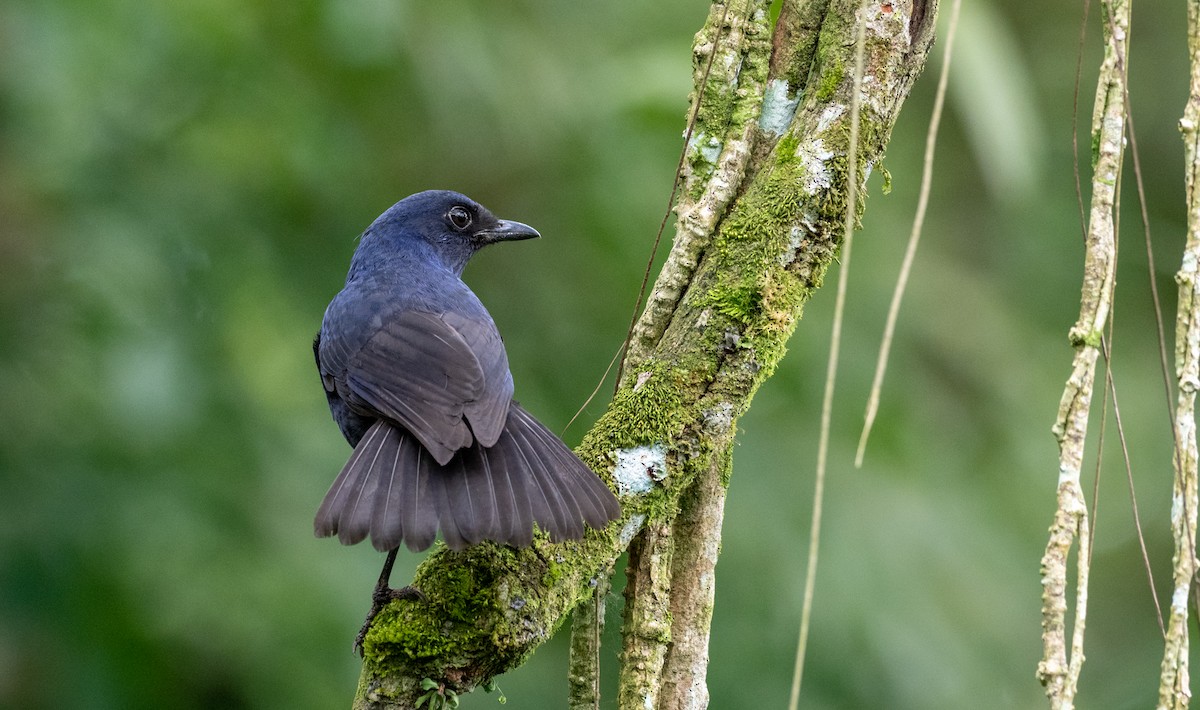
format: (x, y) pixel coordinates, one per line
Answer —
(812, 156)
(639, 468)
(707, 146)
(1189, 262)
(631, 528)
(719, 418)
(777, 108)
(1179, 600)
(733, 71)
(831, 113)
(795, 241)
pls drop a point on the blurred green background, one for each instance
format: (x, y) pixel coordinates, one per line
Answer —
(181, 185)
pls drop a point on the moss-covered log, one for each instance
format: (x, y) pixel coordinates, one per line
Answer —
(761, 217)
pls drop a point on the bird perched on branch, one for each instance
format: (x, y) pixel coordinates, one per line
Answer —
(417, 379)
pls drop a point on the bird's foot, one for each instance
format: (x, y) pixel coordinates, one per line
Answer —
(379, 599)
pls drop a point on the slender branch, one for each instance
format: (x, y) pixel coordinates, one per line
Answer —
(835, 343)
(587, 625)
(646, 631)
(914, 237)
(1059, 668)
(1111, 390)
(697, 535)
(1174, 690)
(683, 169)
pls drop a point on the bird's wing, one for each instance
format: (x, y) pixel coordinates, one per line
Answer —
(435, 373)
(488, 412)
(326, 378)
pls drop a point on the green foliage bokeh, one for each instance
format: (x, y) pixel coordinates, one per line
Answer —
(181, 185)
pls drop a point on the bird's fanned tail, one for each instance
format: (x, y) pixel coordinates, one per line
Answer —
(394, 491)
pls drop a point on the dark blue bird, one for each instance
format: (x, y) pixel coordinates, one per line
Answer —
(417, 379)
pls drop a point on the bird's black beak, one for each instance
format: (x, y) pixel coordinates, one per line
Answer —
(506, 231)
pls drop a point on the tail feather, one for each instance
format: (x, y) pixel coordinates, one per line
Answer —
(506, 518)
(387, 523)
(507, 453)
(360, 503)
(558, 502)
(326, 522)
(597, 506)
(504, 466)
(467, 487)
(394, 491)
(488, 497)
(595, 502)
(420, 515)
(447, 520)
(345, 510)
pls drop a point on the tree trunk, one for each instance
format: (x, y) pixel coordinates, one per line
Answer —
(761, 212)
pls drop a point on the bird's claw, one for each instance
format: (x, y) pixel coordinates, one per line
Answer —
(386, 594)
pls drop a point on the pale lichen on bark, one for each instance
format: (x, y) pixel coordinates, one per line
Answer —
(700, 357)
(1062, 659)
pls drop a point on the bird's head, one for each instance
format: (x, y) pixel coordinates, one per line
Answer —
(452, 224)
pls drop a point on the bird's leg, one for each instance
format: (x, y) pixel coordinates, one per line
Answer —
(382, 595)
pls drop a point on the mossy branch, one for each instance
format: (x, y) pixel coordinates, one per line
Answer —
(667, 607)
(709, 344)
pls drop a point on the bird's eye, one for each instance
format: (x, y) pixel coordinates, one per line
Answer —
(459, 216)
